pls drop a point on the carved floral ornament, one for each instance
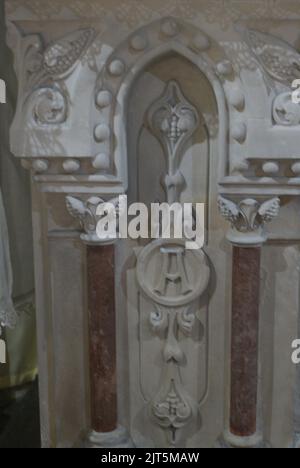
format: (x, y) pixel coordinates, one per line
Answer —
(281, 64)
(173, 120)
(45, 72)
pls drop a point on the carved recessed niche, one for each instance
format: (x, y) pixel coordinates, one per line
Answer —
(173, 145)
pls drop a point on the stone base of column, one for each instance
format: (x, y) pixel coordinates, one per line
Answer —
(115, 439)
(229, 440)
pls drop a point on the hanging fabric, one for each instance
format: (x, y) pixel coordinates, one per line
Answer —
(8, 315)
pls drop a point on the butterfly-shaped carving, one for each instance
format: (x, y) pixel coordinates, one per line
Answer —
(88, 214)
(279, 60)
(249, 215)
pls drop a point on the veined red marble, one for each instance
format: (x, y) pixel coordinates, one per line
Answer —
(102, 337)
(245, 335)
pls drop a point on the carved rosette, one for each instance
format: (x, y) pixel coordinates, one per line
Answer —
(285, 111)
(248, 219)
(50, 106)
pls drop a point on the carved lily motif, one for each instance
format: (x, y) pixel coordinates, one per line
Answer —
(173, 411)
(173, 120)
(172, 408)
(249, 215)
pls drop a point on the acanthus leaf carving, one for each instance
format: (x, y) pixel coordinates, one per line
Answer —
(279, 60)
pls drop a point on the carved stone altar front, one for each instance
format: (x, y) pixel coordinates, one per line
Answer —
(184, 102)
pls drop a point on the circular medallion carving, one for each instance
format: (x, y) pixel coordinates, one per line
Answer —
(171, 275)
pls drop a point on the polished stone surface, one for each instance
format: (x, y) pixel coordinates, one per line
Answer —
(102, 335)
(245, 326)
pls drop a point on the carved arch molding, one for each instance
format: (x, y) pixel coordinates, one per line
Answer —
(71, 131)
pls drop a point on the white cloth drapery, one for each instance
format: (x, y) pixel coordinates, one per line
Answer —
(8, 314)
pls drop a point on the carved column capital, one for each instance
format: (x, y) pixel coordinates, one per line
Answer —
(88, 213)
(248, 219)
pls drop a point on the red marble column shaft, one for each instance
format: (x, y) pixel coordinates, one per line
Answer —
(102, 337)
(245, 336)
